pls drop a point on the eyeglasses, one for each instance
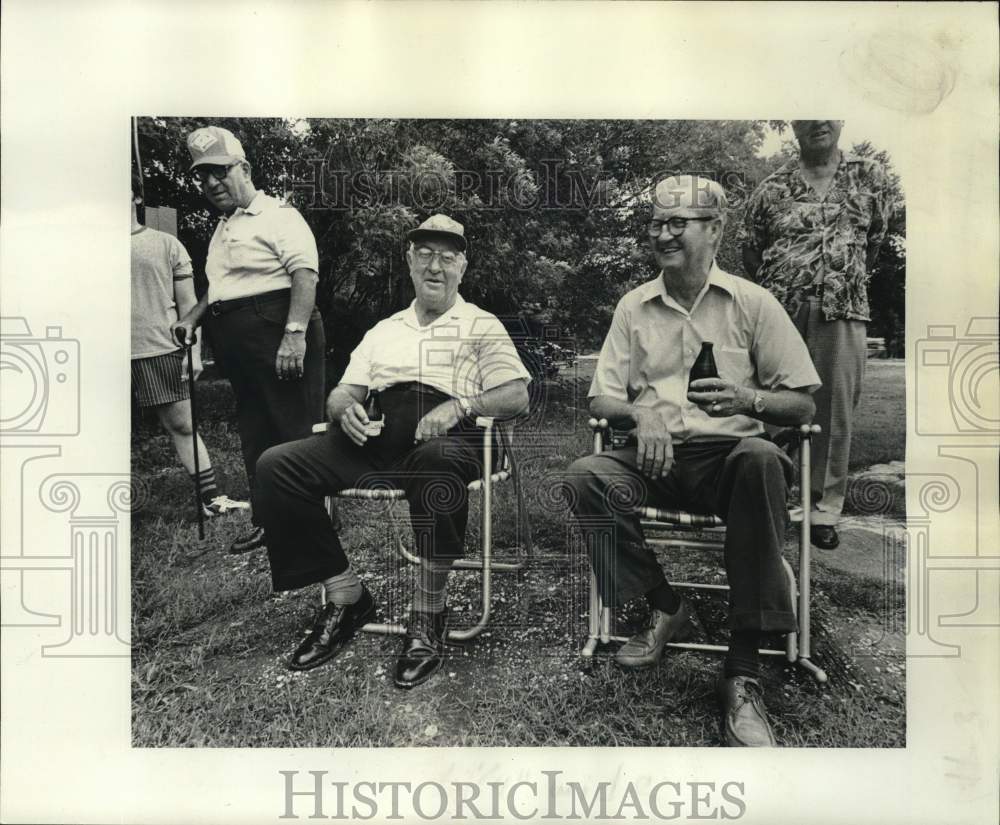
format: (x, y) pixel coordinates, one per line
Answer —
(675, 226)
(424, 257)
(202, 173)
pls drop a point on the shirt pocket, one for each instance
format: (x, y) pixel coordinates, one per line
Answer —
(734, 364)
(240, 256)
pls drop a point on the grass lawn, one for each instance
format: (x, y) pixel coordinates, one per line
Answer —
(209, 639)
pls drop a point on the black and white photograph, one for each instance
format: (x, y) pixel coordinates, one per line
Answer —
(513, 292)
(500, 411)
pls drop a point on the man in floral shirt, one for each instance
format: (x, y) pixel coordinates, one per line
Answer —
(812, 234)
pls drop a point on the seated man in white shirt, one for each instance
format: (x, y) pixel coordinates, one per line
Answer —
(436, 366)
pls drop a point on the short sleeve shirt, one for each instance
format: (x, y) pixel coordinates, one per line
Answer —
(812, 246)
(256, 250)
(653, 342)
(463, 352)
(159, 260)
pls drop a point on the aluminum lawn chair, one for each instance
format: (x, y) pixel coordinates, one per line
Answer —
(496, 470)
(678, 528)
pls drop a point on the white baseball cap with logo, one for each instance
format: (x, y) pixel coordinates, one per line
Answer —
(214, 146)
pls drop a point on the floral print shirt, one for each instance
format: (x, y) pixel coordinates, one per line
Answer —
(818, 246)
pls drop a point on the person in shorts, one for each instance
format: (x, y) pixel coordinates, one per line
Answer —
(162, 287)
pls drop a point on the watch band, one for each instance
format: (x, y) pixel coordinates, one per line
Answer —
(466, 405)
(295, 329)
(757, 405)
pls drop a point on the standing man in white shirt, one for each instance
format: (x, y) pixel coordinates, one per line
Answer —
(267, 334)
(436, 365)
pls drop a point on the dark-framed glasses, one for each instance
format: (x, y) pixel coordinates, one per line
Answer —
(424, 257)
(202, 173)
(675, 226)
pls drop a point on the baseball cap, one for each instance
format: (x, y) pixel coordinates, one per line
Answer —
(439, 226)
(214, 146)
(689, 192)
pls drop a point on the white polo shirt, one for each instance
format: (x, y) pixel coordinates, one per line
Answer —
(257, 249)
(463, 352)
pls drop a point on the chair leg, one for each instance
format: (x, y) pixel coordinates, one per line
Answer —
(593, 619)
(486, 532)
(792, 638)
(805, 564)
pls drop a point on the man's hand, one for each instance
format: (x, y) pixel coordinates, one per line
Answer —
(718, 399)
(291, 356)
(655, 455)
(182, 331)
(353, 421)
(438, 421)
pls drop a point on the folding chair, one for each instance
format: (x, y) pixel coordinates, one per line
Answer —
(679, 525)
(507, 472)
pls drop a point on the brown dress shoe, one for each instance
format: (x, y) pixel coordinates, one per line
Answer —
(646, 647)
(744, 718)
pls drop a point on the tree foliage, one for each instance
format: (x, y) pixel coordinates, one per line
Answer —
(553, 209)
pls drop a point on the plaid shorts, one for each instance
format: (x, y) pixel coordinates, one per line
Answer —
(157, 380)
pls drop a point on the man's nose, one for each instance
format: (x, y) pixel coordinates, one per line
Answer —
(435, 264)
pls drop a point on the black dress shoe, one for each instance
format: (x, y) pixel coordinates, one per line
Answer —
(334, 627)
(248, 541)
(824, 536)
(423, 648)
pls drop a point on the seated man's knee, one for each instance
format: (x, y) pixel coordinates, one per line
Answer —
(760, 457)
(268, 463)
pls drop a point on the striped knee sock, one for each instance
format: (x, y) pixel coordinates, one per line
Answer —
(209, 489)
(344, 588)
(431, 592)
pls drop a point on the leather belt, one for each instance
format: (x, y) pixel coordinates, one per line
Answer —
(218, 308)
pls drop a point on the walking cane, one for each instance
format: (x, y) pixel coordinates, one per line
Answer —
(194, 428)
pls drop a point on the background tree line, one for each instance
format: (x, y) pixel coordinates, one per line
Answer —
(553, 209)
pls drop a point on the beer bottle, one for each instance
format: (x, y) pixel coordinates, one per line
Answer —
(376, 420)
(704, 364)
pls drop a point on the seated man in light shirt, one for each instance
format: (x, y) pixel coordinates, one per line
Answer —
(437, 365)
(699, 448)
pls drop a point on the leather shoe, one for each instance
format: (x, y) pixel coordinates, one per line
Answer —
(334, 627)
(824, 536)
(744, 718)
(248, 541)
(646, 647)
(423, 648)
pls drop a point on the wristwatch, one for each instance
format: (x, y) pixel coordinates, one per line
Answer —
(466, 406)
(758, 403)
(295, 329)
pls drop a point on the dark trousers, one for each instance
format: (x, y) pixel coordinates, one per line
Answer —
(292, 480)
(269, 411)
(743, 481)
